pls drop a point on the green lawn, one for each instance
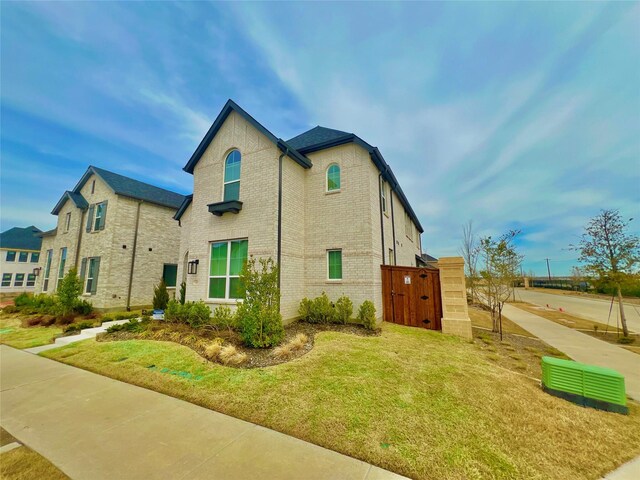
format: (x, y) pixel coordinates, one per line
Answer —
(412, 401)
(12, 334)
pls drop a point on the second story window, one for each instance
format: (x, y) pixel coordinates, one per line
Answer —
(333, 178)
(96, 217)
(232, 176)
(67, 222)
(35, 257)
(11, 256)
(24, 256)
(408, 226)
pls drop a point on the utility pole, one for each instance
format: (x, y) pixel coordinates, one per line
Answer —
(548, 269)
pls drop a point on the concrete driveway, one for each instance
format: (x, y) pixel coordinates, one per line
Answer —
(592, 309)
(93, 427)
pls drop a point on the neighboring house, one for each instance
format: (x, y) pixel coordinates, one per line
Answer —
(19, 255)
(325, 205)
(426, 260)
(120, 235)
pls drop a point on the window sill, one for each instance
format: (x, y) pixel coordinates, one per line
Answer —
(332, 192)
(331, 281)
(223, 301)
(220, 208)
(386, 214)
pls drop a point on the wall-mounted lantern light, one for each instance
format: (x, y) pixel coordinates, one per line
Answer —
(192, 267)
(36, 271)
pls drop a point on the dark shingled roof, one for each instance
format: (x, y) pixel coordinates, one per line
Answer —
(187, 201)
(318, 136)
(78, 200)
(21, 238)
(129, 187)
(232, 106)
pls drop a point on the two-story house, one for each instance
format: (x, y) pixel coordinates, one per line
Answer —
(325, 205)
(119, 234)
(19, 254)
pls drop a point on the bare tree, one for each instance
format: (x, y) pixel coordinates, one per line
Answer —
(609, 252)
(500, 269)
(470, 251)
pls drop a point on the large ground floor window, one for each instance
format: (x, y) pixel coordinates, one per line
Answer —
(227, 260)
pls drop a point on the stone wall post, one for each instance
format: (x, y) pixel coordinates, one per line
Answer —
(455, 315)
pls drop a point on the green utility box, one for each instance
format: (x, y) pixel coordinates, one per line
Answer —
(586, 385)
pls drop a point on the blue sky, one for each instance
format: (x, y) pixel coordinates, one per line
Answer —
(514, 115)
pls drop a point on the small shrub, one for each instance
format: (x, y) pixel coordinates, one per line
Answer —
(65, 319)
(145, 318)
(74, 327)
(198, 314)
(259, 318)
(82, 307)
(22, 300)
(367, 315)
(160, 296)
(183, 293)
(321, 310)
(68, 291)
(343, 309)
(304, 310)
(115, 328)
(223, 318)
(299, 341)
(47, 320)
(10, 309)
(213, 349)
(283, 351)
(626, 340)
(173, 311)
(230, 355)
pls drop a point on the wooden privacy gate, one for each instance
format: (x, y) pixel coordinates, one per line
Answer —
(411, 296)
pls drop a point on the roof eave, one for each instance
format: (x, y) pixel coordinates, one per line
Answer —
(183, 208)
(215, 126)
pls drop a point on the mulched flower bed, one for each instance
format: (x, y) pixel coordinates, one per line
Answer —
(198, 340)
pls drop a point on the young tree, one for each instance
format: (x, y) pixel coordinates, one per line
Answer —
(69, 290)
(609, 252)
(469, 251)
(259, 318)
(500, 269)
(160, 296)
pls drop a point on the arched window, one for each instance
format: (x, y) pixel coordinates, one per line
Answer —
(232, 176)
(333, 178)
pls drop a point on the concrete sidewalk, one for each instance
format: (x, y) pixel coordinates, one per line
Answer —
(93, 427)
(581, 347)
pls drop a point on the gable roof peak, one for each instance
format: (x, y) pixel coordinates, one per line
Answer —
(232, 106)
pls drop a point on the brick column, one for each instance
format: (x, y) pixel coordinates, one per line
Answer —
(455, 316)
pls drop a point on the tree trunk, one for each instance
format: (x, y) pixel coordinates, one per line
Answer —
(623, 320)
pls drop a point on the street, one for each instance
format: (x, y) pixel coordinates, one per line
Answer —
(592, 309)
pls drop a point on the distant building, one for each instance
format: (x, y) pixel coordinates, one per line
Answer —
(19, 255)
(119, 234)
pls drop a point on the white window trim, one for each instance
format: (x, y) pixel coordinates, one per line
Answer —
(326, 178)
(15, 280)
(228, 275)
(10, 279)
(224, 171)
(33, 282)
(334, 280)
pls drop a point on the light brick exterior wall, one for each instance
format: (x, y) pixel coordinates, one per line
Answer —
(157, 230)
(313, 220)
(257, 220)
(455, 314)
